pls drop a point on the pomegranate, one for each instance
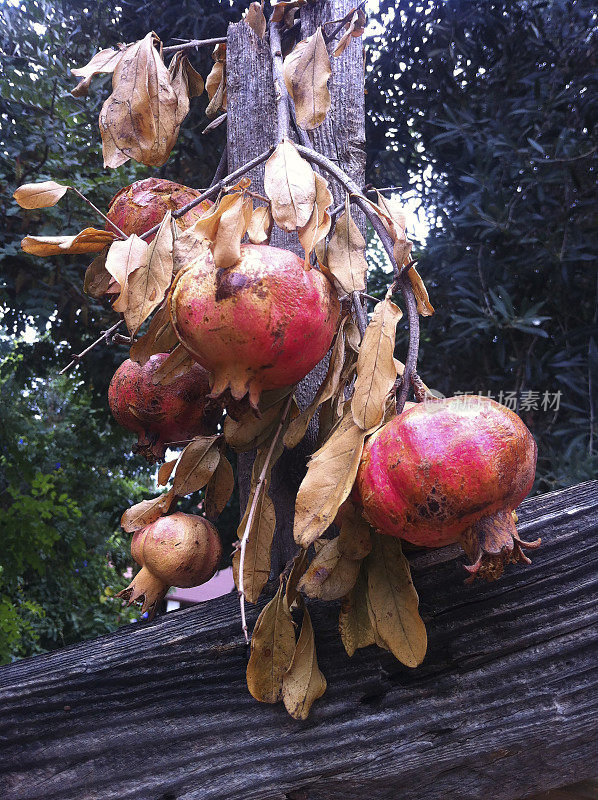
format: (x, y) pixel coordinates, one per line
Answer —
(177, 550)
(140, 206)
(263, 323)
(449, 471)
(161, 414)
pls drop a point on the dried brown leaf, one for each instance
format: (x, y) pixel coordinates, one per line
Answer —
(256, 20)
(346, 254)
(232, 227)
(165, 471)
(354, 541)
(331, 574)
(300, 564)
(425, 308)
(191, 244)
(306, 73)
(355, 27)
(376, 369)
(159, 338)
(256, 569)
(39, 195)
(290, 184)
(354, 623)
(272, 649)
(219, 489)
(196, 465)
(279, 10)
(124, 257)
(330, 477)
(146, 512)
(178, 363)
(393, 601)
(216, 82)
(104, 61)
(89, 240)
(97, 278)
(303, 683)
(319, 223)
(260, 227)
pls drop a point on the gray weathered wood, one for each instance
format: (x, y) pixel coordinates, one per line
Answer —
(505, 704)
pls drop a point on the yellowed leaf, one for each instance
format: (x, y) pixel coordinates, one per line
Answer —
(303, 683)
(272, 649)
(165, 471)
(354, 541)
(178, 363)
(290, 184)
(97, 278)
(159, 338)
(300, 564)
(330, 477)
(355, 27)
(232, 226)
(354, 623)
(147, 286)
(319, 223)
(104, 61)
(191, 244)
(146, 512)
(425, 308)
(331, 574)
(306, 72)
(346, 254)
(219, 489)
(279, 10)
(376, 369)
(216, 82)
(260, 226)
(393, 601)
(256, 20)
(123, 258)
(250, 430)
(39, 195)
(196, 465)
(89, 240)
(256, 568)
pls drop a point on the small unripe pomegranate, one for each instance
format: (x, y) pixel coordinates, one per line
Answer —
(450, 471)
(161, 415)
(263, 323)
(140, 206)
(177, 550)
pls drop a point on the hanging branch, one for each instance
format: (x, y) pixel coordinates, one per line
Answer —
(101, 213)
(83, 353)
(174, 48)
(250, 516)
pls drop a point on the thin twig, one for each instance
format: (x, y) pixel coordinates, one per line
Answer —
(83, 353)
(411, 360)
(194, 43)
(370, 297)
(280, 90)
(221, 168)
(250, 516)
(215, 123)
(328, 37)
(101, 213)
(359, 312)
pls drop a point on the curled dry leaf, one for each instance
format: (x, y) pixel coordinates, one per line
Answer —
(123, 258)
(165, 471)
(104, 61)
(355, 27)
(303, 683)
(354, 623)
(255, 19)
(250, 430)
(159, 338)
(330, 477)
(331, 574)
(89, 240)
(216, 82)
(425, 308)
(39, 195)
(376, 369)
(279, 10)
(256, 568)
(178, 363)
(290, 184)
(298, 426)
(188, 246)
(300, 564)
(319, 223)
(393, 601)
(260, 226)
(346, 254)
(224, 226)
(219, 488)
(196, 465)
(97, 278)
(272, 649)
(306, 72)
(186, 83)
(146, 512)
(147, 286)
(354, 541)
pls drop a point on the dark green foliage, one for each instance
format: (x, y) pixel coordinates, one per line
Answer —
(489, 110)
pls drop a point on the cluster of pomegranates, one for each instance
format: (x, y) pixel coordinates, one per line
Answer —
(443, 471)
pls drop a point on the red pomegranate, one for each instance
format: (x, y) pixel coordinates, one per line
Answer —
(140, 206)
(451, 470)
(161, 415)
(263, 323)
(177, 550)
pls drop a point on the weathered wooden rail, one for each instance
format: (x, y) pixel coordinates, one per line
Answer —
(505, 704)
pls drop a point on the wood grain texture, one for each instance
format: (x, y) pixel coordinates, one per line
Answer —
(504, 705)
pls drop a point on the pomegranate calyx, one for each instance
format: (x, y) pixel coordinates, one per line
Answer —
(492, 543)
(146, 589)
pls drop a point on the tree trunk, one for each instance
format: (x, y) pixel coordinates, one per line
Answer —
(251, 122)
(504, 705)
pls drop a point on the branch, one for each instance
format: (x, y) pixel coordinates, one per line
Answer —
(281, 95)
(328, 37)
(83, 353)
(101, 213)
(194, 43)
(359, 312)
(250, 516)
(221, 168)
(411, 361)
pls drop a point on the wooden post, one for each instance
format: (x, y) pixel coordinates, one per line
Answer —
(504, 705)
(251, 125)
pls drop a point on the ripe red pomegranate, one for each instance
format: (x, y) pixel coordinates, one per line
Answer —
(140, 206)
(161, 414)
(263, 323)
(451, 470)
(177, 550)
